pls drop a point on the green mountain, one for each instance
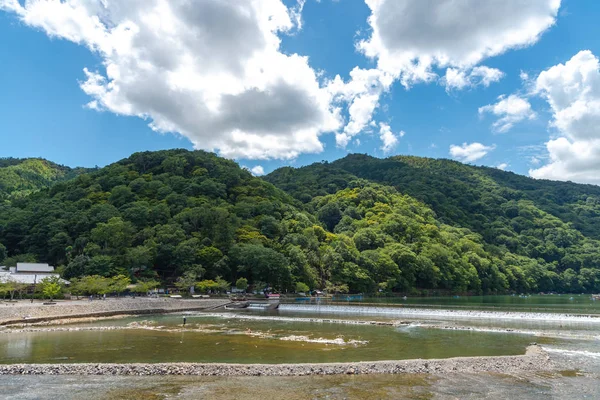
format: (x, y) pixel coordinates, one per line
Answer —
(20, 177)
(361, 224)
(554, 224)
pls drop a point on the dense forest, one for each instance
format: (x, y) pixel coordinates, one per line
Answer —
(360, 224)
(20, 177)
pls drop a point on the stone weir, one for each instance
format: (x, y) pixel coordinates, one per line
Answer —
(535, 359)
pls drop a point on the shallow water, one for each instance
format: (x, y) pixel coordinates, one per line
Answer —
(418, 387)
(319, 335)
(223, 338)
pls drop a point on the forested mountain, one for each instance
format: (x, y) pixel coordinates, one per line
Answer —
(20, 177)
(360, 224)
(553, 224)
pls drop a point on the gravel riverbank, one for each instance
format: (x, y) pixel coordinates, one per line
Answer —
(535, 359)
(24, 311)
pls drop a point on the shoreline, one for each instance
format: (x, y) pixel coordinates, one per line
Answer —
(534, 359)
(31, 313)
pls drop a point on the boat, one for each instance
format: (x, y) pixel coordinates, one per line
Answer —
(238, 305)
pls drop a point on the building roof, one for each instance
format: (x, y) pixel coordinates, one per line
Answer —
(33, 267)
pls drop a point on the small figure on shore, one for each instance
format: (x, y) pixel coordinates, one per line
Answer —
(184, 320)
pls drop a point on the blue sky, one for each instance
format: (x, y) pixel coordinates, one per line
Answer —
(238, 86)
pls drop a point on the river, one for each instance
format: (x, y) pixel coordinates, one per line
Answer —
(298, 333)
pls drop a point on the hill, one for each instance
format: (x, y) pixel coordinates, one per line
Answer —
(359, 224)
(553, 223)
(20, 177)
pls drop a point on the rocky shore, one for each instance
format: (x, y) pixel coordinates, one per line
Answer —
(26, 312)
(535, 359)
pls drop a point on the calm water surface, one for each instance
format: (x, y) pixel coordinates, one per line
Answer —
(572, 303)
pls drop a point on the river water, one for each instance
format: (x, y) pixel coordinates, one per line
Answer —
(316, 333)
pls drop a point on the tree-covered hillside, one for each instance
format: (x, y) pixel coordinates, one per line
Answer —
(353, 225)
(20, 177)
(553, 223)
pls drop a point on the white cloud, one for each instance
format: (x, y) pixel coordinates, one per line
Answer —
(296, 13)
(486, 75)
(258, 170)
(573, 92)
(510, 110)
(210, 70)
(389, 139)
(502, 166)
(410, 36)
(361, 92)
(534, 160)
(461, 78)
(470, 152)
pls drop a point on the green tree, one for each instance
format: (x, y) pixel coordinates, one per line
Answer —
(222, 285)
(119, 284)
(90, 285)
(2, 252)
(51, 287)
(77, 267)
(100, 265)
(302, 287)
(113, 235)
(242, 284)
(143, 287)
(330, 215)
(262, 264)
(206, 286)
(185, 282)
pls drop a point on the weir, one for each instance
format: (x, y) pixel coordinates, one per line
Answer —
(407, 312)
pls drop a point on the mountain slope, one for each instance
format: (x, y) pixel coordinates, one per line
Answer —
(20, 177)
(357, 225)
(554, 223)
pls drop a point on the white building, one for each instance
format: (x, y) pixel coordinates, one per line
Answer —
(29, 273)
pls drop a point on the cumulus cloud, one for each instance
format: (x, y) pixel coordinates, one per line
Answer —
(210, 70)
(459, 79)
(258, 170)
(389, 139)
(572, 90)
(510, 110)
(502, 166)
(410, 36)
(361, 92)
(470, 152)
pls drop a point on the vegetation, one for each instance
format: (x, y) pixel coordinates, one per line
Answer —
(20, 177)
(241, 284)
(11, 287)
(360, 224)
(98, 285)
(51, 287)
